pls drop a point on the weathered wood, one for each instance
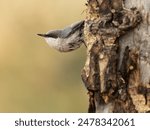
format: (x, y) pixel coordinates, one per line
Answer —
(117, 69)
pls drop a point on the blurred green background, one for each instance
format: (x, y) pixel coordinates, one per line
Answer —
(34, 77)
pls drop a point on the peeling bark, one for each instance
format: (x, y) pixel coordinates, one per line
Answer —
(114, 73)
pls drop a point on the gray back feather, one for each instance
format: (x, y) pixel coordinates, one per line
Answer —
(67, 31)
(72, 28)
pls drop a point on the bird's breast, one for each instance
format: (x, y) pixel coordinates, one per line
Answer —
(65, 44)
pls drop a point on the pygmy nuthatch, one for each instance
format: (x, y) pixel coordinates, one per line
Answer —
(67, 39)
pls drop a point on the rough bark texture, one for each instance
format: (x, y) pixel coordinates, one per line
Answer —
(117, 69)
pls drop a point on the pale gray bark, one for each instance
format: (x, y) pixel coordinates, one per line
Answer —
(139, 39)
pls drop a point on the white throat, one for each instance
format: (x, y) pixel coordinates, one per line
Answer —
(52, 42)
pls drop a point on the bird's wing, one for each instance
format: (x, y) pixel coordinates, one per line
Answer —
(72, 28)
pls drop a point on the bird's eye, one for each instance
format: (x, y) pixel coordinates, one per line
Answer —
(53, 35)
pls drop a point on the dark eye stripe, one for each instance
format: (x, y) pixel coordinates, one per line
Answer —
(51, 35)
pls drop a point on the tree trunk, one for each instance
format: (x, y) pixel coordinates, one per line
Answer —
(117, 69)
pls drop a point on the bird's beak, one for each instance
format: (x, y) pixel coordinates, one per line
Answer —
(42, 35)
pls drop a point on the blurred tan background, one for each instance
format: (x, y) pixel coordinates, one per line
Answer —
(34, 77)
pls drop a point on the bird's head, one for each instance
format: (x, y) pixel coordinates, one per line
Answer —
(51, 34)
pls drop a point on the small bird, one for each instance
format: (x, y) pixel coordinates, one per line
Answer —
(67, 39)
